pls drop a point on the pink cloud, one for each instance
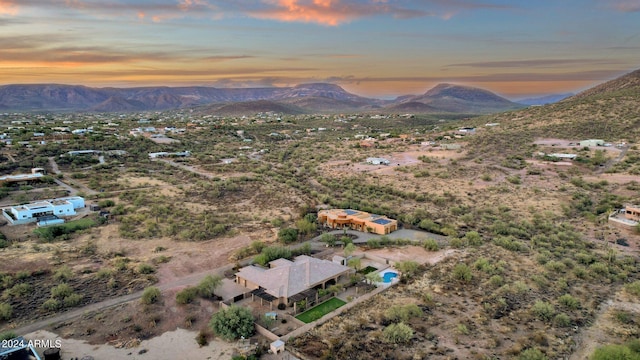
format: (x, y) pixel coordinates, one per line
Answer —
(328, 12)
(627, 6)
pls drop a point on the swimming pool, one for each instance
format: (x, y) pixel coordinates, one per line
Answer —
(388, 276)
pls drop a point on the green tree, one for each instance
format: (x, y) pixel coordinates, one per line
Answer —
(349, 249)
(208, 285)
(232, 323)
(373, 277)
(305, 226)
(355, 263)
(335, 288)
(408, 268)
(329, 239)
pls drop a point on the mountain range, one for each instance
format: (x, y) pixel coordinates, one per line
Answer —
(303, 98)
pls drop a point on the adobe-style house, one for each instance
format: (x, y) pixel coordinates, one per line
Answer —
(357, 220)
(285, 281)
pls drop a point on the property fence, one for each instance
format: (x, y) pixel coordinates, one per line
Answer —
(329, 316)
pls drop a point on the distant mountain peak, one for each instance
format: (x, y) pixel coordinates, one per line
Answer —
(320, 86)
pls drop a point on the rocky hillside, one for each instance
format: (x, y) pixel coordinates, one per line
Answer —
(610, 111)
(630, 81)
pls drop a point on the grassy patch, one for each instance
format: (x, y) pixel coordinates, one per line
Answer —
(319, 311)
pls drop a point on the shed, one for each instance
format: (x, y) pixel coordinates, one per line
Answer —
(377, 161)
(277, 346)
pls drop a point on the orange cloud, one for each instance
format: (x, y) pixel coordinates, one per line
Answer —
(8, 7)
(328, 12)
(321, 11)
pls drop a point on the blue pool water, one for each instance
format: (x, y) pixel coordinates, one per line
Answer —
(388, 276)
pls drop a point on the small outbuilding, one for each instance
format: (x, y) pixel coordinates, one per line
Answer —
(377, 161)
(277, 346)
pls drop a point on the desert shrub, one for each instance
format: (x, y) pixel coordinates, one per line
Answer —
(599, 268)
(496, 281)
(232, 323)
(72, 300)
(7, 335)
(532, 354)
(61, 291)
(64, 273)
(633, 288)
(23, 274)
(397, 333)
(150, 295)
(106, 203)
(19, 290)
(329, 239)
(288, 235)
(145, 268)
(569, 302)
(562, 320)
(187, 295)
(543, 310)
(52, 305)
(257, 246)
(615, 352)
(104, 273)
(473, 238)
(509, 243)
(457, 243)
(484, 265)
(6, 311)
(515, 179)
(271, 253)
(402, 313)
(555, 267)
(462, 272)
(207, 286)
(431, 245)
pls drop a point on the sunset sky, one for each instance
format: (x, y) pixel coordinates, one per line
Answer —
(376, 48)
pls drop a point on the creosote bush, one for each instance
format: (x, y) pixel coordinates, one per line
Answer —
(462, 272)
(151, 295)
(399, 333)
